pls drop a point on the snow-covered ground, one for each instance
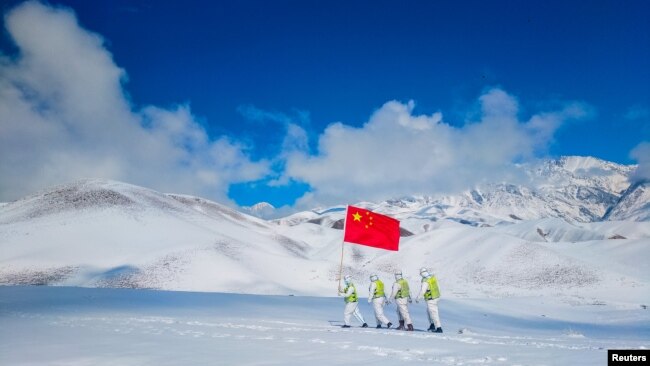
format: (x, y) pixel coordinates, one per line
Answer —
(83, 326)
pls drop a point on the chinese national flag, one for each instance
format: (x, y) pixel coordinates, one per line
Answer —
(368, 228)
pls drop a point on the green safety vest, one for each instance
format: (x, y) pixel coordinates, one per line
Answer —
(432, 292)
(404, 289)
(379, 289)
(353, 297)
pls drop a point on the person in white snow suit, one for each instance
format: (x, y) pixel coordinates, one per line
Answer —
(351, 303)
(377, 296)
(429, 290)
(402, 296)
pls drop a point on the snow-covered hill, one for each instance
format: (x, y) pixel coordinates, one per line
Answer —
(110, 234)
(103, 233)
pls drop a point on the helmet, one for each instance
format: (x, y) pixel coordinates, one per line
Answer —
(423, 269)
(424, 272)
(347, 278)
(373, 277)
(398, 275)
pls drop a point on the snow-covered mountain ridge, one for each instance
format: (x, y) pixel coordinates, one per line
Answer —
(634, 204)
(260, 209)
(99, 233)
(575, 189)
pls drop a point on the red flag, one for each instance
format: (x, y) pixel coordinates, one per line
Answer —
(372, 229)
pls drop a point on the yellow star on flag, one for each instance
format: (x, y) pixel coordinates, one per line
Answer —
(357, 217)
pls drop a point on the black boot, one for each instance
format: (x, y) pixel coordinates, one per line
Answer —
(409, 327)
(438, 330)
(432, 328)
(345, 326)
(365, 325)
(378, 326)
(389, 325)
(401, 325)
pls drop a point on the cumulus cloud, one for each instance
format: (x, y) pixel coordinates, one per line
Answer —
(641, 153)
(64, 116)
(398, 152)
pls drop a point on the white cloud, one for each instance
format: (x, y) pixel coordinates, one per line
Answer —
(641, 153)
(64, 116)
(397, 152)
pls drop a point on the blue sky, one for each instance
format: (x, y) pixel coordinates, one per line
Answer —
(254, 70)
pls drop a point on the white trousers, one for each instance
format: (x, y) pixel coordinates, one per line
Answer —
(352, 308)
(432, 312)
(403, 310)
(378, 305)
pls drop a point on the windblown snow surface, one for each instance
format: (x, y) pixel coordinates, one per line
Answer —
(81, 326)
(535, 290)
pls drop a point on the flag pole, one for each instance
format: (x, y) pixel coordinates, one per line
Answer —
(342, 247)
(341, 266)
